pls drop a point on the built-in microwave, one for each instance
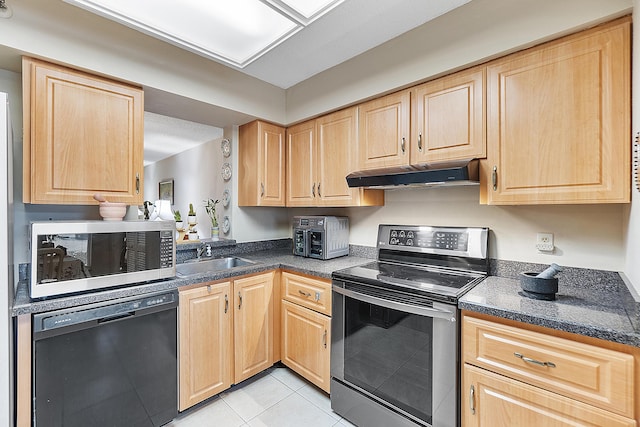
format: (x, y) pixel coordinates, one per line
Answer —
(72, 256)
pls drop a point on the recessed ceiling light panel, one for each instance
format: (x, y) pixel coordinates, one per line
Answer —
(235, 32)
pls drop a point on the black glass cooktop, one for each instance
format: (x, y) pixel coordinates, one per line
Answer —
(413, 278)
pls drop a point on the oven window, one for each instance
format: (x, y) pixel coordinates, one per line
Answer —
(389, 354)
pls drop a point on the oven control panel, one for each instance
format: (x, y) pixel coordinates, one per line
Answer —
(462, 241)
(451, 240)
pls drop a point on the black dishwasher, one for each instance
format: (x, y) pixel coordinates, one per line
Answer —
(107, 364)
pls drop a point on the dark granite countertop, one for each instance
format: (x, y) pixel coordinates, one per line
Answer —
(606, 310)
(264, 261)
(589, 302)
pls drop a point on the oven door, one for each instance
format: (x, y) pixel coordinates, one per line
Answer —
(393, 362)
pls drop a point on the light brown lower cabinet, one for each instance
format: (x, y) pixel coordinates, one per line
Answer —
(306, 343)
(306, 326)
(253, 325)
(492, 400)
(206, 346)
(516, 374)
(227, 335)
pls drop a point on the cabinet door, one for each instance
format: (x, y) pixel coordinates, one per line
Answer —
(253, 325)
(272, 153)
(83, 135)
(301, 161)
(337, 154)
(491, 400)
(306, 343)
(448, 118)
(559, 121)
(261, 174)
(384, 131)
(206, 347)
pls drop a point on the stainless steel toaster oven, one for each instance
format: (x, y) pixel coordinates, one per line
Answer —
(321, 237)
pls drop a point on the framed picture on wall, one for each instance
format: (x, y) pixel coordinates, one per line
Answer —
(165, 190)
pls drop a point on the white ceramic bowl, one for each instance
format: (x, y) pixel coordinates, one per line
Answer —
(113, 211)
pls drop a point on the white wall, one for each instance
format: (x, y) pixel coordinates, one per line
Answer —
(197, 176)
(632, 230)
(588, 236)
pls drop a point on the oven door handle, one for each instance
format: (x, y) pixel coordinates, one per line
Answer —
(408, 308)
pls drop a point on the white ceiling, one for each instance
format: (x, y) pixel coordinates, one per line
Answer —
(347, 30)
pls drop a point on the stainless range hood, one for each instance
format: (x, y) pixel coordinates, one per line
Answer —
(462, 172)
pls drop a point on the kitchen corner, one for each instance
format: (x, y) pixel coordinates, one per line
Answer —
(584, 304)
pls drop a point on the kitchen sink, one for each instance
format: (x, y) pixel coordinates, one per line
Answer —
(211, 265)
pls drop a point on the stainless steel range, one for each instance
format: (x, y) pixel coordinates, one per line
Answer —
(395, 330)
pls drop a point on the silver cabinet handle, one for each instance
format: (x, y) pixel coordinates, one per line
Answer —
(319, 195)
(324, 339)
(262, 189)
(226, 303)
(420, 142)
(472, 399)
(534, 361)
(138, 183)
(402, 145)
(306, 294)
(494, 178)
(318, 296)
(313, 190)
(240, 300)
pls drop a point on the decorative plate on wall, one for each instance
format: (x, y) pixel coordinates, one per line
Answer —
(226, 147)
(226, 197)
(226, 171)
(226, 224)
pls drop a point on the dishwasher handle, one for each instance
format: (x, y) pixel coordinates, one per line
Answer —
(58, 322)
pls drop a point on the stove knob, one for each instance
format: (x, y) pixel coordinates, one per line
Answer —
(401, 234)
(409, 242)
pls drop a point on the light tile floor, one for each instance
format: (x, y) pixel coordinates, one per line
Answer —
(276, 398)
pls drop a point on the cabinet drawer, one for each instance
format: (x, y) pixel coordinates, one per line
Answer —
(311, 293)
(491, 400)
(599, 376)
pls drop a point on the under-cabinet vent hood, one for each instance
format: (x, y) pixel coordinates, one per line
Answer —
(463, 172)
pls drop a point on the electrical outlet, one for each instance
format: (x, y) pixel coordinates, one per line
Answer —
(544, 242)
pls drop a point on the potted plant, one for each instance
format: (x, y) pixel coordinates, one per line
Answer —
(210, 207)
(178, 218)
(191, 218)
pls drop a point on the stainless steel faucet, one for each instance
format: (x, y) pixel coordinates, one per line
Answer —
(205, 248)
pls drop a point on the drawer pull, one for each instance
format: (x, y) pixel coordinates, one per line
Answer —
(534, 361)
(303, 293)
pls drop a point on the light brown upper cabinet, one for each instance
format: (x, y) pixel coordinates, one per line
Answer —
(320, 154)
(384, 131)
(448, 118)
(559, 121)
(83, 135)
(261, 174)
